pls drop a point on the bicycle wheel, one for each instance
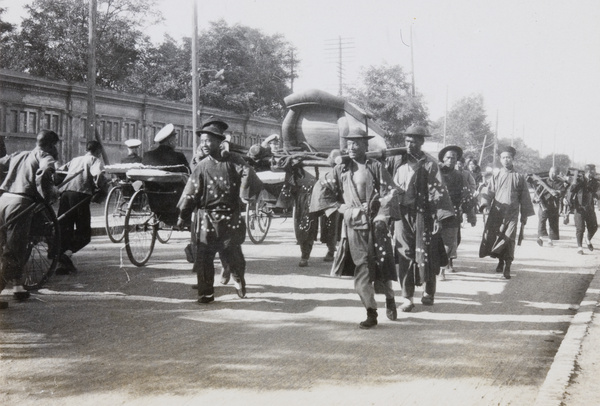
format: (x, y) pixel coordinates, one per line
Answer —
(258, 220)
(115, 211)
(164, 232)
(140, 229)
(42, 249)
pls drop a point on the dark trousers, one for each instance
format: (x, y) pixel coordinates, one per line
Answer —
(232, 258)
(14, 238)
(551, 217)
(75, 227)
(585, 218)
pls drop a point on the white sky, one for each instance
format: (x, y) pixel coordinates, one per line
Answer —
(536, 62)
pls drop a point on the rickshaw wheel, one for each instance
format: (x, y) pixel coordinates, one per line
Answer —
(115, 211)
(258, 220)
(140, 229)
(42, 249)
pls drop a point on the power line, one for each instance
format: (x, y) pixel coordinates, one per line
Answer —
(341, 47)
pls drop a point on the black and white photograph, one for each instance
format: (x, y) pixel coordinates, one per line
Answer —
(325, 203)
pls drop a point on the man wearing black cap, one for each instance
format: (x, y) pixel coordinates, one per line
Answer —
(424, 205)
(363, 192)
(507, 196)
(461, 195)
(583, 191)
(214, 189)
(30, 177)
(165, 154)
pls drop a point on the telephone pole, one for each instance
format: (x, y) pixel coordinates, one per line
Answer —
(340, 46)
(194, 75)
(91, 79)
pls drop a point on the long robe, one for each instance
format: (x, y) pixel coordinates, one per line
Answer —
(363, 241)
(419, 252)
(507, 196)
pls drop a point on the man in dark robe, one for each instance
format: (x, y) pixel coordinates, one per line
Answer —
(582, 193)
(507, 197)
(29, 178)
(549, 207)
(425, 206)
(461, 194)
(364, 193)
(214, 190)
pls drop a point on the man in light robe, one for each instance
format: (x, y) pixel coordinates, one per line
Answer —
(507, 197)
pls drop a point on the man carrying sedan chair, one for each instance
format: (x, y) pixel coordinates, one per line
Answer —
(215, 189)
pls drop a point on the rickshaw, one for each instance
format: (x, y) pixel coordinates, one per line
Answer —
(152, 208)
(115, 207)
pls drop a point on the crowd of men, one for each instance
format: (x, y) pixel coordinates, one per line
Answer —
(383, 220)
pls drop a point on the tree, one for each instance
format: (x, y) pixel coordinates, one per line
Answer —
(561, 161)
(257, 68)
(385, 92)
(467, 126)
(163, 70)
(6, 28)
(53, 40)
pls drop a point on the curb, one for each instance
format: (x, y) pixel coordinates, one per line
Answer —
(552, 391)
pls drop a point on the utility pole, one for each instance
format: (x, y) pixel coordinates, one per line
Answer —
(495, 142)
(339, 46)
(292, 72)
(91, 79)
(412, 62)
(446, 117)
(194, 75)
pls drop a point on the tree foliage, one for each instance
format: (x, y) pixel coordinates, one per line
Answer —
(257, 68)
(6, 28)
(467, 126)
(53, 40)
(385, 92)
(561, 161)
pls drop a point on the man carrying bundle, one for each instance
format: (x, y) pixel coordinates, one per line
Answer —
(363, 192)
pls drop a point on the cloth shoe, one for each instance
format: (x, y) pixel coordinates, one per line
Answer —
(390, 309)
(506, 273)
(427, 300)
(206, 299)
(500, 266)
(371, 320)
(303, 263)
(580, 251)
(328, 257)
(540, 242)
(443, 274)
(240, 287)
(550, 243)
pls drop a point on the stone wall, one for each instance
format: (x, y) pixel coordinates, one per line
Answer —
(29, 104)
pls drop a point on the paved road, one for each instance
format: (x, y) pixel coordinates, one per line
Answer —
(117, 334)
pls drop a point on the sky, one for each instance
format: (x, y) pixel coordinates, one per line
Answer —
(536, 62)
